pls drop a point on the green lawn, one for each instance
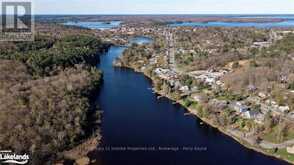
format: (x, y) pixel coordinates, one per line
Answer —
(284, 154)
(272, 135)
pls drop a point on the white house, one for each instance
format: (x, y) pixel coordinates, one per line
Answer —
(184, 89)
(250, 114)
(284, 109)
(238, 107)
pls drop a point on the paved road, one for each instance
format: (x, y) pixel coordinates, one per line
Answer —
(269, 145)
(170, 39)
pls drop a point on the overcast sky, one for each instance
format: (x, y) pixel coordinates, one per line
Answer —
(164, 6)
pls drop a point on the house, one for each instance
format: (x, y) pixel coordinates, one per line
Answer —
(220, 83)
(259, 118)
(239, 107)
(262, 95)
(261, 44)
(271, 102)
(250, 114)
(209, 77)
(284, 109)
(165, 74)
(194, 89)
(251, 88)
(184, 89)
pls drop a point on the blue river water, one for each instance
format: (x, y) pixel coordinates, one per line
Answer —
(139, 129)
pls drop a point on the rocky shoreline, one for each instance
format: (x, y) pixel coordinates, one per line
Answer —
(79, 154)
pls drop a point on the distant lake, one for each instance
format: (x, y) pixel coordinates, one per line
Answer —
(288, 22)
(95, 25)
(289, 17)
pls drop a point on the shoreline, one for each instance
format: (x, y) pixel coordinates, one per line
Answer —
(209, 122)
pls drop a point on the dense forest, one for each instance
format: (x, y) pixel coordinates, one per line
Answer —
(45, 89)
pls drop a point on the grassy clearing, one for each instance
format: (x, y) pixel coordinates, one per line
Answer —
(272, 136)
(285, 155)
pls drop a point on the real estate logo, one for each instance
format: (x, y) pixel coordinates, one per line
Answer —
(17, 22)
(8, 157)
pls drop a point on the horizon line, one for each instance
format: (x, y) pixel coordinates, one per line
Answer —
(131, 14)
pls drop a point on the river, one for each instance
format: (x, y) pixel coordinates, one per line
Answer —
(133, 117)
